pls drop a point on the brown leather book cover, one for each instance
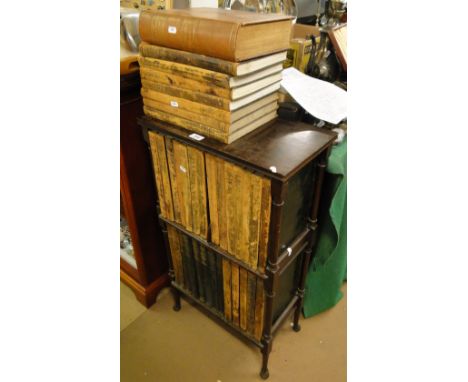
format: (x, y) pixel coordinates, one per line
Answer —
(226, 34)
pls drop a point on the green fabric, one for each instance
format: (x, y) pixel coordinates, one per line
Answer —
(328, 268)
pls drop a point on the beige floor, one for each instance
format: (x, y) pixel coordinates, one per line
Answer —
(159, 344)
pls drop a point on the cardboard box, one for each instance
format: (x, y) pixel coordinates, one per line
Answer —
(301, 45)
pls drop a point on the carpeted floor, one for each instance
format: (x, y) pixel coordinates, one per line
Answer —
(159, 344)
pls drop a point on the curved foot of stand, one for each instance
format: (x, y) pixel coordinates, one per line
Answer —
(176, 307)
(264, 374)
(297, 327)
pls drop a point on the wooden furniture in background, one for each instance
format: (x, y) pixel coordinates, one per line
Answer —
(339, 39)
(148, 274)
(252, 206)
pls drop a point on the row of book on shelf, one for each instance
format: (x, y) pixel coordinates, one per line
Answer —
(235, 293)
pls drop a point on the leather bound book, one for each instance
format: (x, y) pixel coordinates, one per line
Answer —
(219, 283)
(189, 260)
(206, 276)
(214, 32)
(198, 270)
(211, 63)
(211, 273)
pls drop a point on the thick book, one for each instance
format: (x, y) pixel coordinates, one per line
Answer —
(208, 99)
(227, 34)
(202, 109)
(206, 131)
(229, 128)
(211, 63)
(208, 82)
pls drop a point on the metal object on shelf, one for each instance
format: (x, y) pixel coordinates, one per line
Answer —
(286, 7)
(129, 33)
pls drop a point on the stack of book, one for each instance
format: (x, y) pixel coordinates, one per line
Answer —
(214, 72)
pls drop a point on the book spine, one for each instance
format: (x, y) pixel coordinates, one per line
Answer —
(207, 276)
(206, 99)
(164, 194)
(259, 303)
(251, 290)
(255, 190)
(187, 124)
(151, 74)
(192, 116)
(196, 164)
(243, 296)
(235, 293)
(185, 262)
(182, 184)
(243, 218)
(167, 194)
(232, 199)
(189, 34)
(185, 104)
(172, 177)
(227, 274)
(176, 255)
(222, 203)
(264, 224)
(219, 283)
(213, 277)
(187, 58)
(185, 71)
(198, 270)
(212, 183)
(190, 266)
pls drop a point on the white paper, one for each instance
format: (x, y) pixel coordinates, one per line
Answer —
(320, 98)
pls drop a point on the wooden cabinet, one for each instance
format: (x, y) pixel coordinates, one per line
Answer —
(143, 262)
(240, 221)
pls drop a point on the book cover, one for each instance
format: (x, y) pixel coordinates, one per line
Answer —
(239, 35)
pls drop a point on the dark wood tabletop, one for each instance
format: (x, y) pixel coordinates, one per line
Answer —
(278, 150)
